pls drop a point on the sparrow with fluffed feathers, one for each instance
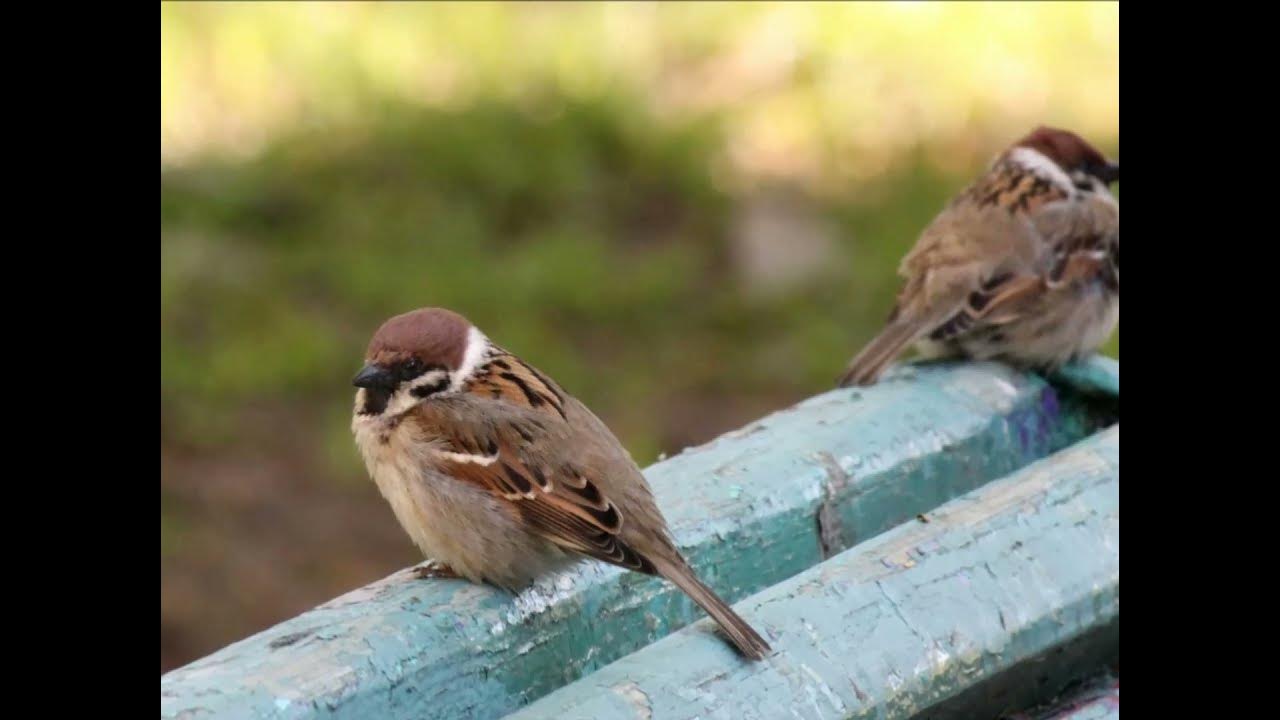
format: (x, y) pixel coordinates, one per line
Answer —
(1023, 266)
(498, 475)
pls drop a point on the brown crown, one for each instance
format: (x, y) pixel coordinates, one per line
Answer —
(433, 335)
(1064, 147)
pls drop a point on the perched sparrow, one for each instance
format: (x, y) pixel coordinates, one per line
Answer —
(499, 475)
(1023, 266)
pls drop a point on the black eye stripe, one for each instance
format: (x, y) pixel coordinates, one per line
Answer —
(423, 391)
(414, 368)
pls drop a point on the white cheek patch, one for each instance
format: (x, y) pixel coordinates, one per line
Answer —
(1036, 162)
(476, 353)
(401, 402)
(1104, 192)
(359, 417)
(1095, 186)
(431, 377)
(403, 399)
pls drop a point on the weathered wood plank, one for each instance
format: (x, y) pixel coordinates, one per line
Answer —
(1099, 375)
(896, 625)
(750, 509)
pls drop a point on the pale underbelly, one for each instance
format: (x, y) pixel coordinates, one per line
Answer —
(458, 524)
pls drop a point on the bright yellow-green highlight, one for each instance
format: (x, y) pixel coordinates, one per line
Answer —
(803, 87)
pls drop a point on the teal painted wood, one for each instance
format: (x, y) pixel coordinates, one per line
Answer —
(751, 508)
(1098, 375)
(898, 624)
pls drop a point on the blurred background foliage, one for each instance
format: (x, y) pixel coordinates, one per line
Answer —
(688, 214)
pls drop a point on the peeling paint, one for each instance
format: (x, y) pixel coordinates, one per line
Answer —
(632, 693)
(836, 704)
(830, 532)
(829, 622)
(290, 639)
(894, 681)
(406, 648)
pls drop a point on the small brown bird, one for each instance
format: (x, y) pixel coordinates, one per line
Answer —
(498, 475)
(1023, 266)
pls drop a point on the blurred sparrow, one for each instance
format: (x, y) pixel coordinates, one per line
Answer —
(1023, 266)
(497, 474)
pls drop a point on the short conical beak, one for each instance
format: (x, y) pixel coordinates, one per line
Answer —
(373, 376)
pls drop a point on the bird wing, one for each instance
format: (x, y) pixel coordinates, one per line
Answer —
(524, 456)
(1061, 245)
(997, 249)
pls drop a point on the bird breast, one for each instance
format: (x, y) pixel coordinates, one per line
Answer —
(451, 521)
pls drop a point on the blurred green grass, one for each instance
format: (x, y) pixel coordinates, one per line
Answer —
(584, 183)
(602, 255)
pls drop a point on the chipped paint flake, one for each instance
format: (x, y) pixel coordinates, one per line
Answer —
(836, 704)
(632, 693)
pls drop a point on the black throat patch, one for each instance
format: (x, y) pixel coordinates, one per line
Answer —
(375, 401)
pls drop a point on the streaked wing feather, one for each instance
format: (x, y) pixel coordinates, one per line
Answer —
(554, 495)
(992, 268)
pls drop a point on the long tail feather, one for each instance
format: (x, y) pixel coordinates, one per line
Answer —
(866, 366)
(746, 639)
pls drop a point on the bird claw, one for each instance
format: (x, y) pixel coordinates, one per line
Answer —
(433, 569)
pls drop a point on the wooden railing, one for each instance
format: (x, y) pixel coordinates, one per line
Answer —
(946, 541)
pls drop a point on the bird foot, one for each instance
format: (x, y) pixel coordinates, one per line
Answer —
(433, 569)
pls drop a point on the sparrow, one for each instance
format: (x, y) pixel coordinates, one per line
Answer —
(1022, 266)
(498, 475)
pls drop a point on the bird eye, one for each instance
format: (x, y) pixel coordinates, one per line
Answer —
(411, 368)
